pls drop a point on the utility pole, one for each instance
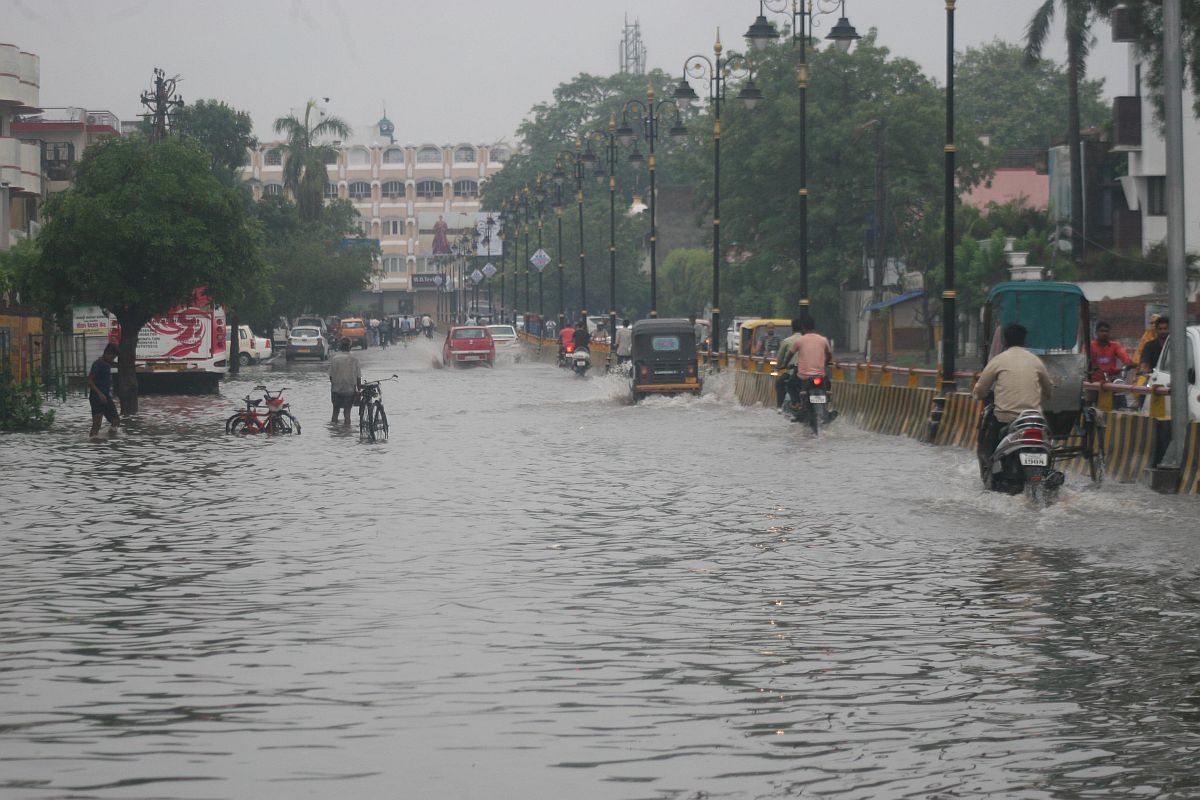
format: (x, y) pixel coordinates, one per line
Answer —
(1166, 477)
(159, 101)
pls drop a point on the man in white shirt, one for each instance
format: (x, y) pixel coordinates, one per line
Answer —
(1019, 382)
(624, 342)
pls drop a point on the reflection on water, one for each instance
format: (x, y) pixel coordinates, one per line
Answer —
(534, 589)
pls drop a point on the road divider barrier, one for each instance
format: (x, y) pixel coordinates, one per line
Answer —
(893, 401)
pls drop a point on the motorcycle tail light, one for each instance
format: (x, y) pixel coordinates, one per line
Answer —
(691, 370)
(570, 348)
(644, 372)
(818, 381)
(1033, 435)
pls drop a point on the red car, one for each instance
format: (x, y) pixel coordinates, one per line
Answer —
(469, 344)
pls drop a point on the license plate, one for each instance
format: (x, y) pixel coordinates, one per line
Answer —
(303, 349)
(666, 372)
(472, 358)
(818, 399)
(1034, 459)
(168, 367)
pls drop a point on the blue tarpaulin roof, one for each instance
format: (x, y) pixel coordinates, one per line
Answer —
(897, 300)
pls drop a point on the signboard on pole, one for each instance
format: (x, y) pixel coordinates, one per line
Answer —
(477, 276)
(540, 259)
(489, 269)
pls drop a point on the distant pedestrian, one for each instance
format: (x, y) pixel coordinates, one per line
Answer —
(100, 391)
(624, 342)
(345, 380)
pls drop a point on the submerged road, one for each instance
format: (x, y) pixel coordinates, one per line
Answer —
(536, 590)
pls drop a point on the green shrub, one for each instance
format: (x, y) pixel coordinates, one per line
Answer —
(21, 406)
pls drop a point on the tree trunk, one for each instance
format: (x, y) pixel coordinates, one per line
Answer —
(127, 386)
(1074, 67)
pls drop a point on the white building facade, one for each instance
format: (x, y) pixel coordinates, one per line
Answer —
(20, 162)
(1137, 133)
(400, 192)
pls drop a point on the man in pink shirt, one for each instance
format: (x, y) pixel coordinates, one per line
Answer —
(806, 350)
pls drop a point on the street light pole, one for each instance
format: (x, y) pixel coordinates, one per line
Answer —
(609, 137)
(650, 114)
(949, 337)
(760, 34)
(717, 71)
(558, 214)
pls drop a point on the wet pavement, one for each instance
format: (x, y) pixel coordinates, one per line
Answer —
(534, 589)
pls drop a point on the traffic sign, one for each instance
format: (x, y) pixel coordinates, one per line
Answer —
(489, 269)
(437, 279)
(540, 259)
(477, 276)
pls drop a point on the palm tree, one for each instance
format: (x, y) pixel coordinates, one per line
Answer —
(1078, 16)
(304, 171)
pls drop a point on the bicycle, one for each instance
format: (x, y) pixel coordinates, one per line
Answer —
(372, 419)
(277, 418)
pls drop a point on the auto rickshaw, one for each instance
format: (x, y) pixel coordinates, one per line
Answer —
(1059, 331)
(664, 358)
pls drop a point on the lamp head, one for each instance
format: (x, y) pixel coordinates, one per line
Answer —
(750, 94)
(625, 134)
(761, 33)
(843, 35)
(684, 93)
(678, 131)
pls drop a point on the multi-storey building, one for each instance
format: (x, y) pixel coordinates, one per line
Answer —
(400, 192)
(63, 134)
(20, 161)
(1137, 133)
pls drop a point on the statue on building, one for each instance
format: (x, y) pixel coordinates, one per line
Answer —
(441, 242)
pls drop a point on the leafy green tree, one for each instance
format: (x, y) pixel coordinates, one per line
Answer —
(1079, 16)
(222, 130)
(849, 94)
(304, 172)
(685, 282)
(313, 267)
(1018, 104)
(144, 226)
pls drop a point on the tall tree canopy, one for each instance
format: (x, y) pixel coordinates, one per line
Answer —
(1018, 104)
(307, 153)
(145, 226)
(222, 130)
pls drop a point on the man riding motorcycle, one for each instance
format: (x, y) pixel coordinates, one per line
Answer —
(1019, 382)
(806, 350)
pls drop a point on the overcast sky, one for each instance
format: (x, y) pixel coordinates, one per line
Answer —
(448, 71)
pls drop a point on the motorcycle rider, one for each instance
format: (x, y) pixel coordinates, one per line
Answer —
(566, 337)
(806, 350)
(1019, 382)
(427, 326)
(1108, 361)
(581, 337)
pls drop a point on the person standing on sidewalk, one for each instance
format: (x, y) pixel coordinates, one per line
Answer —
(345, 380)
(100, 391)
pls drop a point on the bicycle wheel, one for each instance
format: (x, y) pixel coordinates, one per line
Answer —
(277, 424)
(366, 428)
(235, 424)
(380, 425)
(293, 422)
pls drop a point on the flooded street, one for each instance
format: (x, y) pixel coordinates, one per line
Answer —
(534, 589)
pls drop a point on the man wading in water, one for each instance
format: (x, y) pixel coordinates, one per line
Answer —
(100, 391)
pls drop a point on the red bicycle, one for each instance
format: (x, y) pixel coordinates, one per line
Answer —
(276, 418)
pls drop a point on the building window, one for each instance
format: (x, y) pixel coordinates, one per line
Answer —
(272, 189)
(393, 227)
(359, 157)
(393, 190)
(273, 157)
(429, 155)
(330, 157)
(393, 264)
(465, 154)
(429, 190)
(330, 192)
(393, 155)
(58, 159)
(499, 155)
(466, 188)
(360, 190)
(1156, 196)
(363, 225)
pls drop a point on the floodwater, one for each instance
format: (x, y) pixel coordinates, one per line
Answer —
(536, 590)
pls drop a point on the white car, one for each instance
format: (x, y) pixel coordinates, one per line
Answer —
(733, 334)
(251, 349)
(1161, 376)
(307, 340)
(505, 336)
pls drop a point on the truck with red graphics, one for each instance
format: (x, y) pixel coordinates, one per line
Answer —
(184, 350)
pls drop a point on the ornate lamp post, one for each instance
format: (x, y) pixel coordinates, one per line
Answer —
(539, 196)
(649, 114)
(949, 337)
(502, 232)
(609, 138)
(559, 177)
(576, 159)
(717, 71)
(843, 35)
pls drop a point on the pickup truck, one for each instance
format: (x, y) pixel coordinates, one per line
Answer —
(1161, 376)
(252, 349)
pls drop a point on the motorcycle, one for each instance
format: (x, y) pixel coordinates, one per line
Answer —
(580, 360)
(1023, 461)
(810, 402)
